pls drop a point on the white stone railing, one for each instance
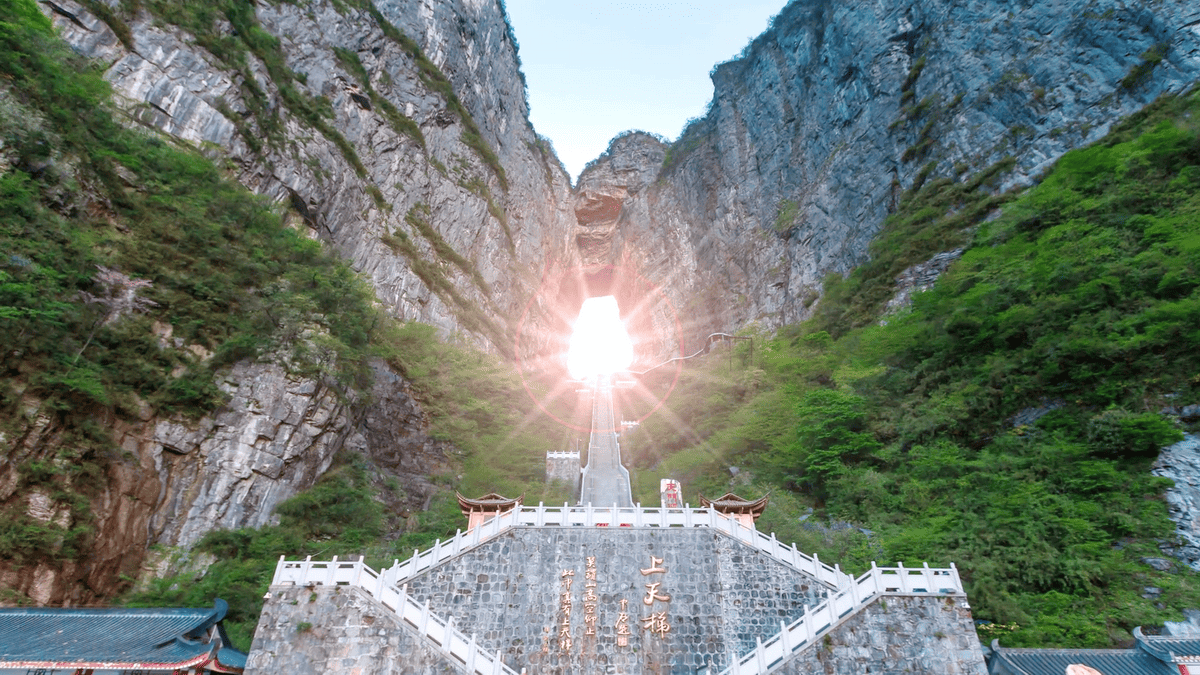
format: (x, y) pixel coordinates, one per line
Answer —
(462, 649)
(820, 620)
(850, 597)
(589, 516)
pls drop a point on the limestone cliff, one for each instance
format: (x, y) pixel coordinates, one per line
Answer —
(395, 132)
(813, 133)
(428, 139)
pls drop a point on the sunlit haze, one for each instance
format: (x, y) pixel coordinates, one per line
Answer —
(596, 69)
(599, 344)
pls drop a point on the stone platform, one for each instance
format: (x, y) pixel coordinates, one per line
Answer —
(600, 598)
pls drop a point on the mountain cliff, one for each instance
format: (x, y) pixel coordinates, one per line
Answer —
(396, 134)
(818, 127)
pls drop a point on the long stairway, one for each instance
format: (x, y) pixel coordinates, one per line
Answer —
(605, 480)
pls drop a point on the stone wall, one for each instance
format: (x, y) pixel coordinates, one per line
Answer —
(898, 634)
(563, 467)
(511, 593)
(338, 629)
(511, 596)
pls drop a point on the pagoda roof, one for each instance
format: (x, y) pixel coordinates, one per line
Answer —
(730, 503)
(491, 502)
(115, 638)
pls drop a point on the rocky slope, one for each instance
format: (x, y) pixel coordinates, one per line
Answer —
(426, 175)
(395, 151)
(827, 117)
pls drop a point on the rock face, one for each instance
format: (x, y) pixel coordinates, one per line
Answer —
(814, 132)
(1181, 463)
(427, 176)
(505, 217)
(179, 479)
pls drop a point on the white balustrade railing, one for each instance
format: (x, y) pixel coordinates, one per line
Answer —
(819, 620)
(591, 516)
(848, 599)
(458, 646)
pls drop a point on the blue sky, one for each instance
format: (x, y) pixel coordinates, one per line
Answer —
(596, 69)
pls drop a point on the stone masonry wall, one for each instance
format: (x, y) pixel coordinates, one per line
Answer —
(898, 634)
(512, 595)
(563, 467)
(338, 629)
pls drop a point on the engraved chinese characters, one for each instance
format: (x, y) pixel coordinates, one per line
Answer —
(656, 623)
(564, 610)
(589, 597)
(622, 625)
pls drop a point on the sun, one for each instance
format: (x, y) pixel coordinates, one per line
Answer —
(600, 345)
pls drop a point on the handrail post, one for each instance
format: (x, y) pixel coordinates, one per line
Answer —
(783, 638)
(331, 571)
(760, 657)
(541, 514)
(471, 656)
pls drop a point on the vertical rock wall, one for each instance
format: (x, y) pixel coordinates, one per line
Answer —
(507, 218)
(830, 114)
(481, 231)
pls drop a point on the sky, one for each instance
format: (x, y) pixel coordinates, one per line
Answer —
(595, 69)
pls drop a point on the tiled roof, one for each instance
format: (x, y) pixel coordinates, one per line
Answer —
(106, 636)
(1150, 655)
(1005, 661)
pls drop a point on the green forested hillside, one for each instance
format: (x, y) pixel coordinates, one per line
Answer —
(903, 440)
(109, 238)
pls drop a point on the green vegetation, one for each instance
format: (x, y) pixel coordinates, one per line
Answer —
(434, 276)
(786, 218)
(475, 403)
(121, 258)
(1150, 60)
(433, 78)
(402, 125)
(1078, 306)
